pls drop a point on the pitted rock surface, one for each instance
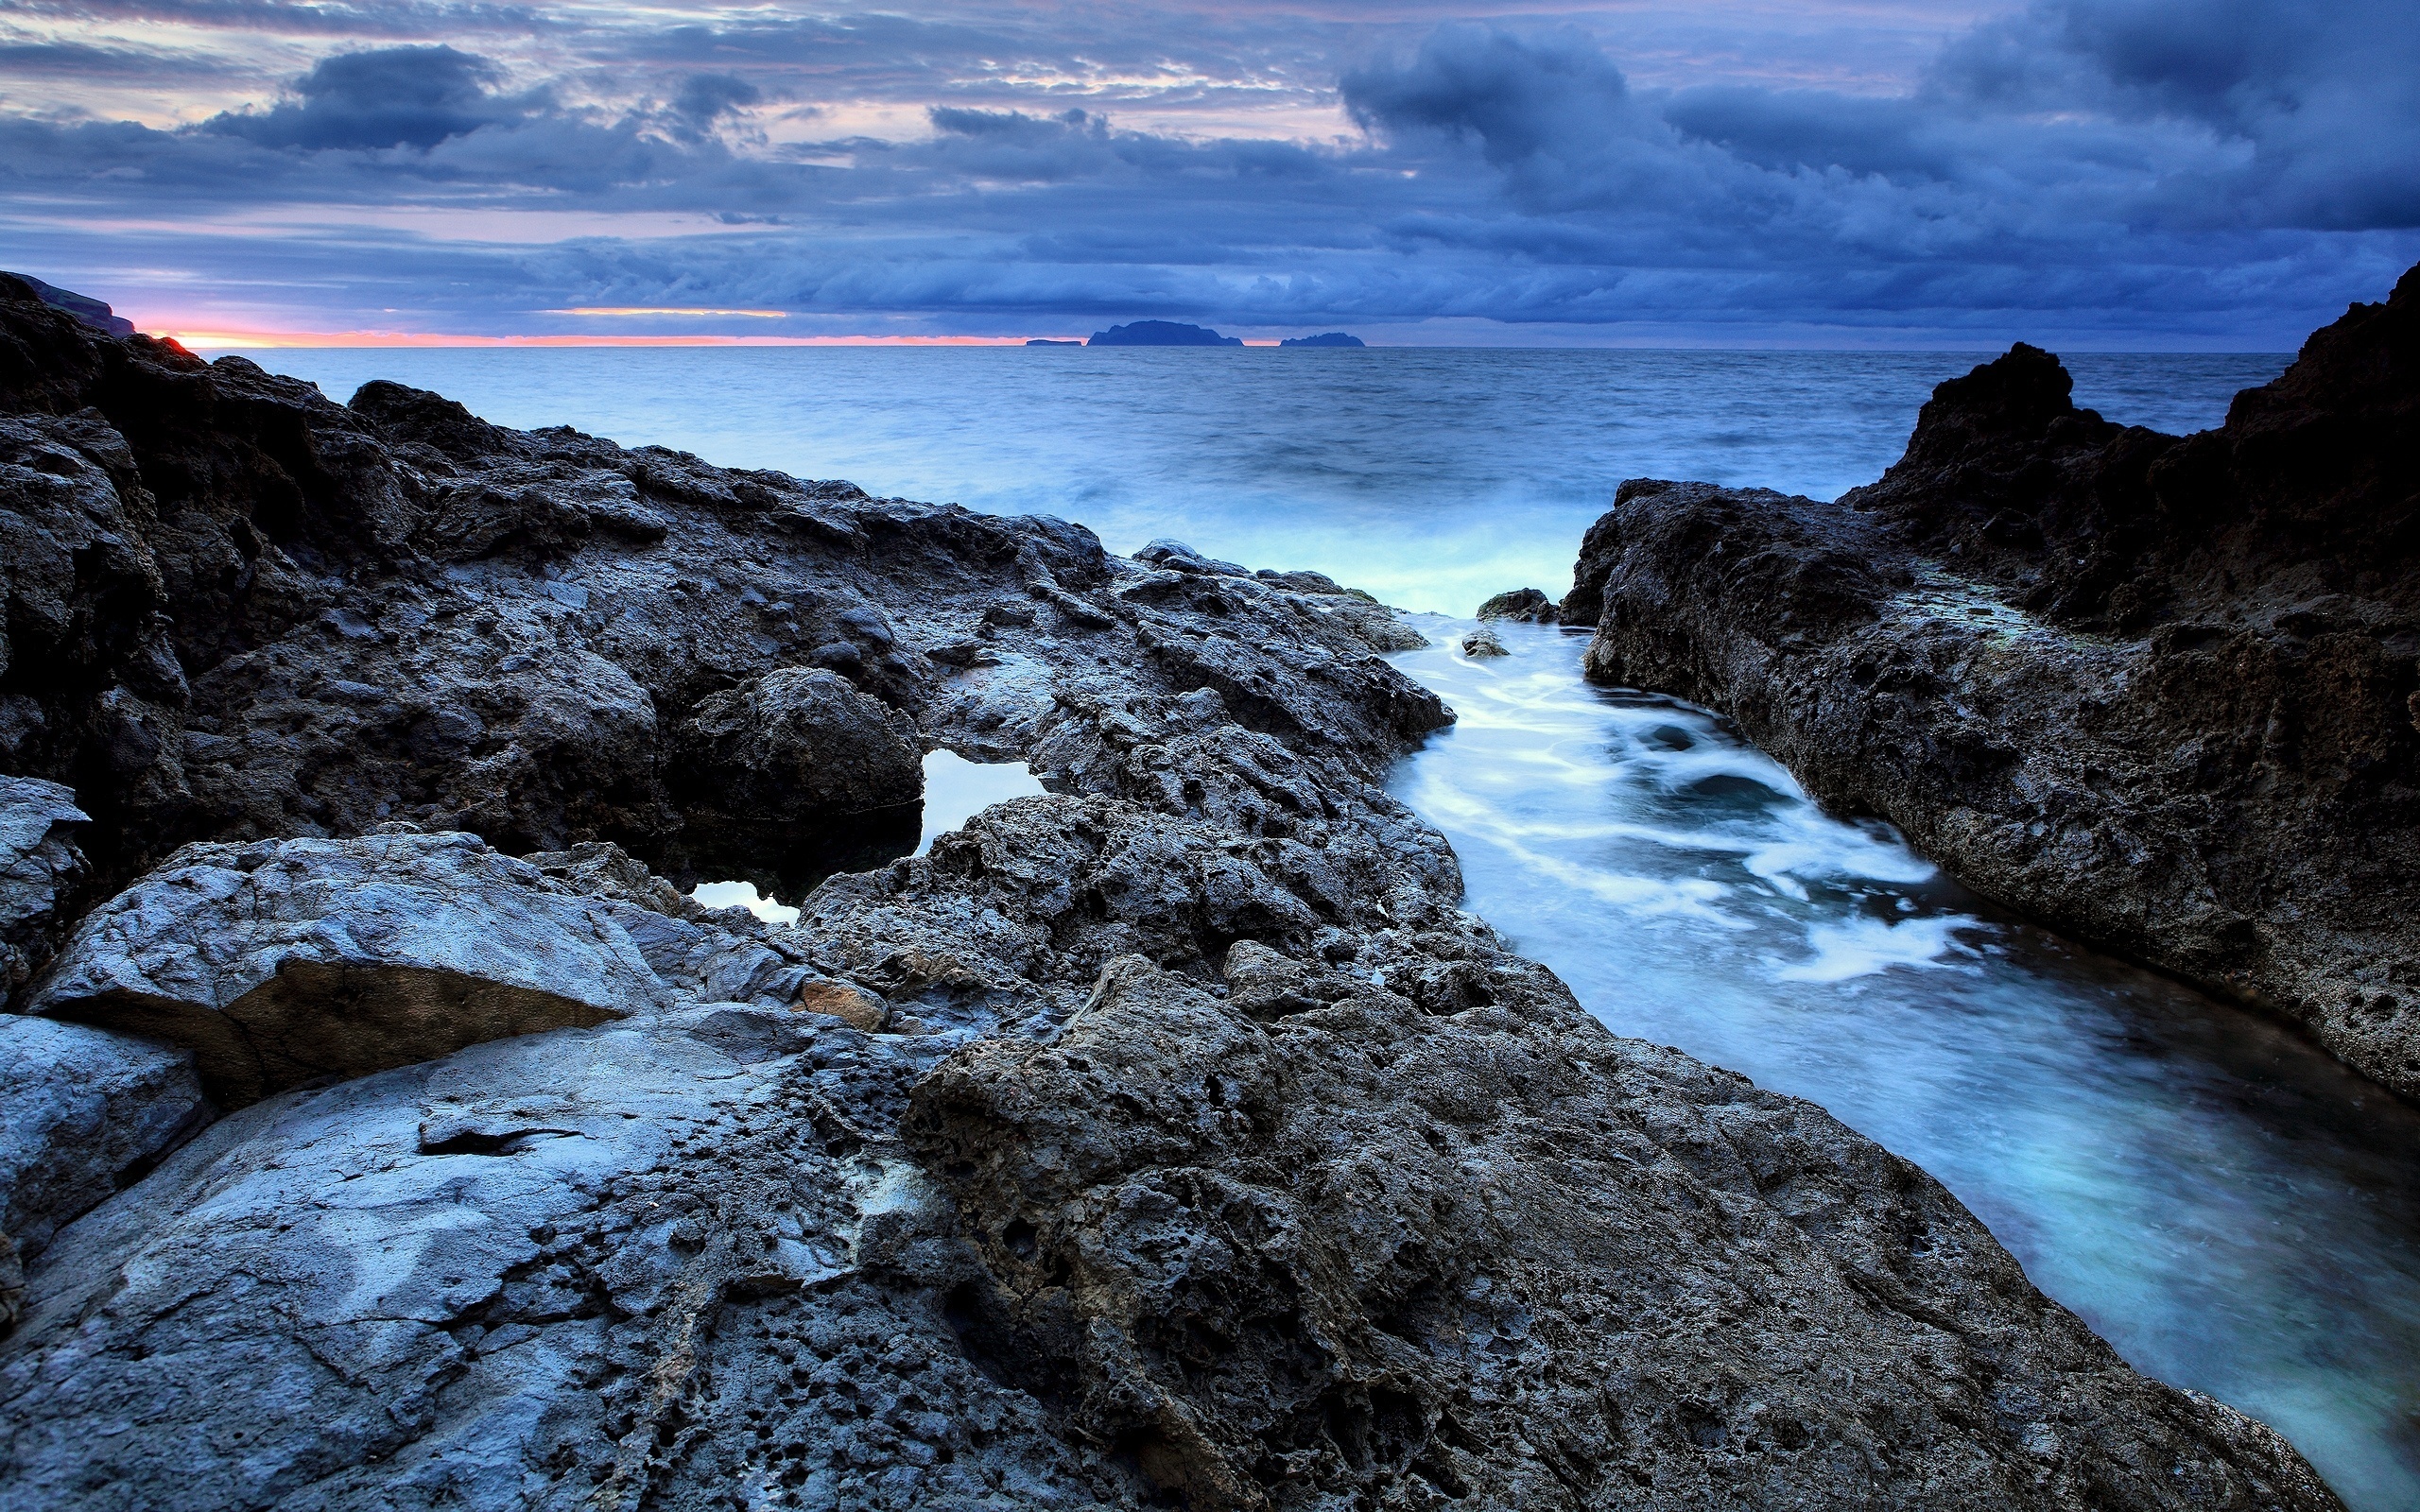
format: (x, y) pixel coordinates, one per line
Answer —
(2162, 694)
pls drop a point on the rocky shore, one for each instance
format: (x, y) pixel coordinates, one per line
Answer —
(2161, 693)
(389, 1130)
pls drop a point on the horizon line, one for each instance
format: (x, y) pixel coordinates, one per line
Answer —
(288, 341)
(226, 340)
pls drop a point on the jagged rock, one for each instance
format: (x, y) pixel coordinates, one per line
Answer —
(240, 610)
(90, 1111)
(280, 961)
(1526, 605)
(1177, 556)
(2157, 692)
(40, 870)
(1483, 642)
(1463, 1249)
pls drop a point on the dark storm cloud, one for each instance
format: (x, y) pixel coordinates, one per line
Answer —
(2101, 164)
(2325, 98)
(393, 97)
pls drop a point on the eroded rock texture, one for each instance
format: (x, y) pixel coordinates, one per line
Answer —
(2158, 693)
(1168, 1139)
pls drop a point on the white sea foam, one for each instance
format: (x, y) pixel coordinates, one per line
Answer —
(1859, 947)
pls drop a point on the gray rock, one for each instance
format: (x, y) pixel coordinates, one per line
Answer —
(800, 755)
(280, 961)
(90, 1111)
(1483, 642)
(1528, 605)
(40, 870)
(1176, 555)
(652, 1264)
(1446, 1240)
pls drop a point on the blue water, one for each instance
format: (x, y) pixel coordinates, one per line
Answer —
(2227, 1206)
(1431, 477)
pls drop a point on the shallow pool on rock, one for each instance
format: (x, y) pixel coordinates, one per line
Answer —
(2226, 1204)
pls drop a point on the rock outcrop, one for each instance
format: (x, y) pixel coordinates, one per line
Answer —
(280, 962)
(2156, 692)
(1168, 1138)
(1528, 605)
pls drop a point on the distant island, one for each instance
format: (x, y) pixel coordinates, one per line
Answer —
(1331, 338)
(1053, 341)
(1161, 333)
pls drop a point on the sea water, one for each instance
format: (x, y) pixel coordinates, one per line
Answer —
(1431, 477)
(2227, 1206)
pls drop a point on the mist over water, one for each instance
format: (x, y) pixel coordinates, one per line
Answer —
(1431, 477)
(2224, 1203)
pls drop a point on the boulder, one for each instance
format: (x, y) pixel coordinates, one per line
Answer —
(1483, 642)
(280, 962)
(659, 1263)
(1175, 556)
(1528, 605)
(90, 1112)
(801, 756)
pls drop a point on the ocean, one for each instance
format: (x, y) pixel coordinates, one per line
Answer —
(1431, 477)
(2228, 1207)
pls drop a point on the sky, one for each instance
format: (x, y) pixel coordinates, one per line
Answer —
(2086, 174)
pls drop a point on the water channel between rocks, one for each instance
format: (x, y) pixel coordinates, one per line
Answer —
(2227, 1206)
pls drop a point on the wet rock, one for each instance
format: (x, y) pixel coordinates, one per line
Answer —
(279, 962)
(803, 755)
(41, 871)
(90, 1112)
(1528, 605)
(1483, 642)
(2154, 691)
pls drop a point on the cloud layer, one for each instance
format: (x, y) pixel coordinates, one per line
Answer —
(2104, 172)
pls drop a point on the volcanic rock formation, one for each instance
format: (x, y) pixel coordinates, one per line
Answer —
(1169, 1139)
(2160, 693)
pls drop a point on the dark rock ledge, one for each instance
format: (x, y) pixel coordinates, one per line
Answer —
(2156, 692)
(1170, 1139)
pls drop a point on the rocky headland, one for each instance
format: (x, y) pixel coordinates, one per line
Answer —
(389, 1130)
(2161, 693)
